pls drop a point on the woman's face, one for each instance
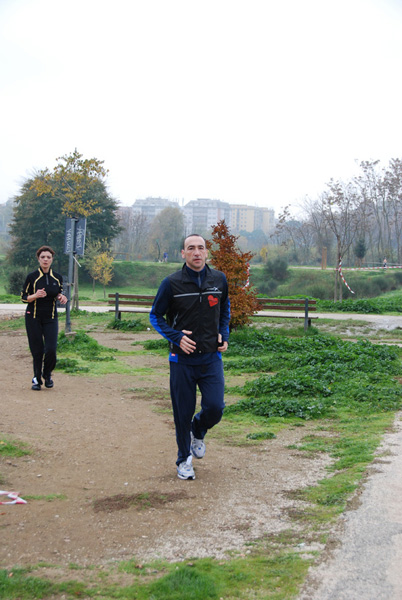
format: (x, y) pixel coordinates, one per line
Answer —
(45, 260)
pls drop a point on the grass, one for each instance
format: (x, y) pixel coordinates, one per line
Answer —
(47, 497)
(255, 577)
(12, 448)
(343, 419)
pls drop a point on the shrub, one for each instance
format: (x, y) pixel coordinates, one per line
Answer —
(15, 281)
(314, 375)
(128, 325)
(277, 269)
(269, 287)
(318, 291)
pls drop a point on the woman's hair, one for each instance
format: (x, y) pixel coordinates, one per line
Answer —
(44, 249)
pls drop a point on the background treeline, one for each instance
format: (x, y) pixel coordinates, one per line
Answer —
(359, 220)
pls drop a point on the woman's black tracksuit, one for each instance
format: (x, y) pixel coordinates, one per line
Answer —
(41, 320)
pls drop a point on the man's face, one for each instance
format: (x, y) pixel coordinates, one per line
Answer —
(195, 253)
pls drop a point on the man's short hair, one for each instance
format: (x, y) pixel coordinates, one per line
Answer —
(192, 235)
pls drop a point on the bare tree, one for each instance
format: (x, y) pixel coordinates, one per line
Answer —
(392, 186)
(339, 206)
(317, 226)
(166, 233)
(133, 239)
(373, 214)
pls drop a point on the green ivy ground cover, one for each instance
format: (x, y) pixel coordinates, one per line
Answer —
(313, 376)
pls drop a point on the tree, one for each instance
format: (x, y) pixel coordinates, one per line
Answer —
(316, 226)
(339, 205)
(167, 230)
(133, 238)
(393, 192)
(39, 215)
(226, 257)
(6, 213)
(276, 268)
(92, 251)
(73, 180)
(102, 269)
(360, 250)
(37, 221)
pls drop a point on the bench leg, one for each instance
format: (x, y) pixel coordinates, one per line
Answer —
(117, 313)
(307, 321)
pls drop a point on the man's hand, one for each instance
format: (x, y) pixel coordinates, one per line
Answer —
(187, 344)
(223, 346)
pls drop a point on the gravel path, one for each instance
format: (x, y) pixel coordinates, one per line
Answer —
(366, 561)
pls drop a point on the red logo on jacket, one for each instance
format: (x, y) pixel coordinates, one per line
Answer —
(212, 301)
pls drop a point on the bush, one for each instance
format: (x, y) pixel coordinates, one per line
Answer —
(15, 281)
(318, 291)
(314, 375)
(277, 269)
(269, 287)
(128, 325)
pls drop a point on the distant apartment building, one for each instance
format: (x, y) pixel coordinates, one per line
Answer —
(268, 220)
(150, 207)
(249, 218)
(202, 214)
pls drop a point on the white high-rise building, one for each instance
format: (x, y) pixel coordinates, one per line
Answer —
(202, 214)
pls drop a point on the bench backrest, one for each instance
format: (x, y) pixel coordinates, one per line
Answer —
(131, 299)
(265, 303)
(286, 304)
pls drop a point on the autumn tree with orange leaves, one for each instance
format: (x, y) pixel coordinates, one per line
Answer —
(227, 257)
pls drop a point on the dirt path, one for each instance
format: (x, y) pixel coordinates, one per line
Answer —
(95, 438)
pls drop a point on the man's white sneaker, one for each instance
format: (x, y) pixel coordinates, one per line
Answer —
(197, 447)
(185, 469)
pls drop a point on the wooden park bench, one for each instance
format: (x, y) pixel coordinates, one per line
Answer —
(137, 303)
(303, 305)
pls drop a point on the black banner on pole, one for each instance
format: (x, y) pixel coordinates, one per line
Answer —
(75, 230)
(68, 237)
(80, 236)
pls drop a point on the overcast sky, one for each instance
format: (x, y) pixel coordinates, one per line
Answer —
(254, 101)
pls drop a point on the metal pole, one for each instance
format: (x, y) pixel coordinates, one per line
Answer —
(116, 306)
(70, 281)
(306, 314)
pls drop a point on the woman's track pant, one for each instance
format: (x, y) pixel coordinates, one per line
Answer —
(183, 383)
(42, 339)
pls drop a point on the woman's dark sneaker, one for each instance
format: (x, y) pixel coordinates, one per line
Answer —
(48, 381)
(35, 384)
